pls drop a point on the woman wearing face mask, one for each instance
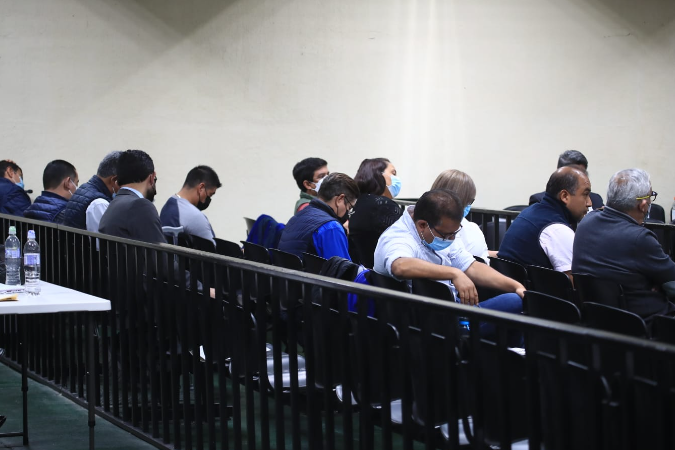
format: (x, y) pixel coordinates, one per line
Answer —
(375, 210)
(471, 235)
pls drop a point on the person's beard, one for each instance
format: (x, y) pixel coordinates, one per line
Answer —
(151, 193)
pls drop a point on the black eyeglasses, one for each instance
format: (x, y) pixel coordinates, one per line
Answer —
(447, 237)
(350, 211)
(652, 195)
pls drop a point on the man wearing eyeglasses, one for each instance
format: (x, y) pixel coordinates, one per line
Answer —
(422, 244)
(319, 228)
(625, 251)
(543, 234)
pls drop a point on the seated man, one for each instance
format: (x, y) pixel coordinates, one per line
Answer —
(318, 228)
(577, 160)
(625, 251)
(59, 180)
(185, 208)
(421, 244)
(131, 214)
(543, 234)
(308, 174)
(13, 198)
(89, 202)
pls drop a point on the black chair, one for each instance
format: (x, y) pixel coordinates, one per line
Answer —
(329, 351)
(656, 213)
(201, 244)
(228, 248)
(493, 242)
(597, 290)
(663, 329)
(510, 269)
(432, 289)
(613, 319)
(516, 208)
(313, 263)
(551, 282)
(285, 259)
(544, 306)
(256, 253)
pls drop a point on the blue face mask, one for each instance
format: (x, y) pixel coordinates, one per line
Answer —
(395, 186)
(466, 210)
(20, 183)
(437, 244)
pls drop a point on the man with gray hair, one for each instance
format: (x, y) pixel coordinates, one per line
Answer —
(87, 205)
(624, 251)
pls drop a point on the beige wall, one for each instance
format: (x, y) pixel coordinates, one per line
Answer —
(497, 88)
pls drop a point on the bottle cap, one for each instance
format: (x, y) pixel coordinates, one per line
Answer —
(12, 230)
(31, 234)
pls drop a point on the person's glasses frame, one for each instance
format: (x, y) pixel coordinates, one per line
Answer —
(652, 195)
(447, 237)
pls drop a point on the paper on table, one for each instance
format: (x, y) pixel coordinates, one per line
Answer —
(9, 297)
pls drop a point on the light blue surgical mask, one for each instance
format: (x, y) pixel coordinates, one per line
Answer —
(438, 243)
(20, 183)
(395, 186)
(466, 210)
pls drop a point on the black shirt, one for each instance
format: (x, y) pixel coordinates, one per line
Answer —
(372, 215)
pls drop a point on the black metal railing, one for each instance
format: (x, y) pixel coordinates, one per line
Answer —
(203, 351)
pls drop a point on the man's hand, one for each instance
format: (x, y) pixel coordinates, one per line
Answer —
(466, 289)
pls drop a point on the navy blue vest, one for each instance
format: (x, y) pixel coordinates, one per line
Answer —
(75, 214)
(521, 241)
(298, 236)
(46, 207)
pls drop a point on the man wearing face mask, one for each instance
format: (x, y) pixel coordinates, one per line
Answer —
(185, 208)
(59, 180)
(318, 228)
(422, 244)
(308, 174)
(626, 252)
(13, 198)
(131, 214)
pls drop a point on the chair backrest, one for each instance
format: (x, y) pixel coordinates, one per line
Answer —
(543, 306)
(375, 279)
(510, 269)
(515, 208)
(493, 242)
(285, 260)
(663, 329)
(551, 282)
(255, 252)
(656, 212)
(328, 344)
(228, 248)
(201, 244)
(598, 290)
(432, 289)
(313, 263)
(171, 234)
(613, 319)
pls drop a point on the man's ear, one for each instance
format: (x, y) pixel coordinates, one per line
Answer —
(308, 185)
(564, 196)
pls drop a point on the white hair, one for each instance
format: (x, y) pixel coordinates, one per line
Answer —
(625, 187)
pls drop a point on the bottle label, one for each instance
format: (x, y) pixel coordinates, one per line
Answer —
(32, 259)
(15, 253)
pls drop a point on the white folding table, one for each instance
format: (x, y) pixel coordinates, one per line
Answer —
(55, 299)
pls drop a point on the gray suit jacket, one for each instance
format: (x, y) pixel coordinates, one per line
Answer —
(129, 216)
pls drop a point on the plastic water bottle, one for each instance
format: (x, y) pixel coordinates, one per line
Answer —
(13, 258)
(463, 326)
(672, 213)
(31, 264)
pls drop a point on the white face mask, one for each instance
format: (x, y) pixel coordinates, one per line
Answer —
(318, 185)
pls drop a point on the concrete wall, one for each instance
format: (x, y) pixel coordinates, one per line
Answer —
(497, 88)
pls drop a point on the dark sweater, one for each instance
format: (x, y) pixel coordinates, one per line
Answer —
(611, 245)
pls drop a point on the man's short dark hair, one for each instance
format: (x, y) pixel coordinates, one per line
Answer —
(572, 158)
(433, 205)
(567, 180)
(369, 176)
(134, 166)
(338, 183)
(108, 166)
(4, 164)
(55, 172)
(304, 170)
(202, 174)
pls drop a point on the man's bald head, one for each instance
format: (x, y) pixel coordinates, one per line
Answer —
(572, 187)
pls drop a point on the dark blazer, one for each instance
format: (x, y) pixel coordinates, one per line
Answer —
(596, 199)
(13, 199)
(129, 216)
